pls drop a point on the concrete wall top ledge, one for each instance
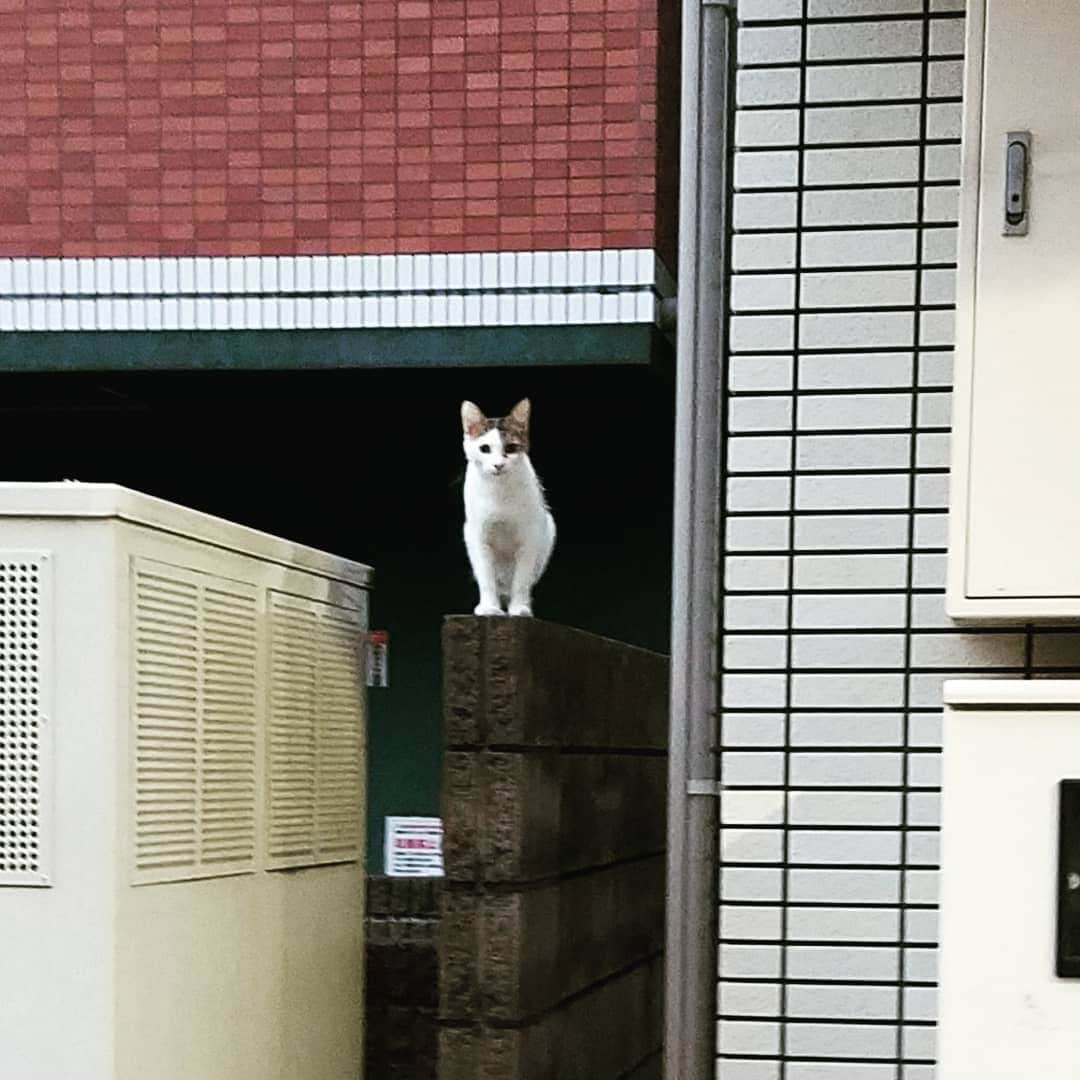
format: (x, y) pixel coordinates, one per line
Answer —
(513, 682)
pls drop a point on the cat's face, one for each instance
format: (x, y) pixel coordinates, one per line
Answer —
(495, 446)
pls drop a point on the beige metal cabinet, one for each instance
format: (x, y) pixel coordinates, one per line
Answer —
(1015, 532)
(1003, 1012)
(182, 771)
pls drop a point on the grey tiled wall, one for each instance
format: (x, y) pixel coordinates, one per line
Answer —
(836, 642)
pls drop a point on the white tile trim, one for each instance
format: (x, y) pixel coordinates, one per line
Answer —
(526, 288)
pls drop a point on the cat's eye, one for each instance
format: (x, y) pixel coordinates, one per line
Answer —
(484, 448)
(511, 448)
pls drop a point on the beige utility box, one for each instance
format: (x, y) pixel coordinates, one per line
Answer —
(1003, 1012)
(182, 770)
(1015, 530)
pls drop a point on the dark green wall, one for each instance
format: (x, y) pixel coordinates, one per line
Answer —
(602, 443)
(368, 464)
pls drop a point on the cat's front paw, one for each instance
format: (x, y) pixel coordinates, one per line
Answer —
(520, 609)
(488, 609)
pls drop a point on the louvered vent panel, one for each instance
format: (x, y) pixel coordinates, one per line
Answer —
(292, 760)
(316, 718)
(167, 729)
(195, 714)
(228, 791)
(25, 613)
(340, 705)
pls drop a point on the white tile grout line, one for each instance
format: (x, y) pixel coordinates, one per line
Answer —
(527, 288)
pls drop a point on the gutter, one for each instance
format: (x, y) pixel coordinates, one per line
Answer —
(704, 201)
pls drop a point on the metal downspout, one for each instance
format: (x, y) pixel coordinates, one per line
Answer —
(704, 200)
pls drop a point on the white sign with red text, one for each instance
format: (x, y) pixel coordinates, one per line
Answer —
(413, 847)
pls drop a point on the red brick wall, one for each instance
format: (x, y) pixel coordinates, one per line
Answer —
(668, 93)
(218, 127)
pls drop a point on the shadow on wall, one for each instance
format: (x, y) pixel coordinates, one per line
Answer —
(368, 464)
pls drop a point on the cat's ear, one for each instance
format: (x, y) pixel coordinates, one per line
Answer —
(473, 421)
(519, 414)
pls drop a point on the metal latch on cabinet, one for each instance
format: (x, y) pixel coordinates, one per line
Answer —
(1017, 168)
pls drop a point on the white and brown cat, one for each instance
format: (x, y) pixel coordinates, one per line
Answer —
(509, 530)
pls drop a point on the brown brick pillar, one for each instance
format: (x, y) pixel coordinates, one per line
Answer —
(553, 805)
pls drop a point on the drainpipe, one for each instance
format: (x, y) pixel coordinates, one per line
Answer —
(693, 790)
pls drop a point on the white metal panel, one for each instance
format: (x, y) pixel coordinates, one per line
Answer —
(165, 703)
(25, 717)
(341, 691)
(68, 928)
(1016, 494)
(1004, 1013)
(229, 717)
(194, 705)
(93, 501)
(291, 749)
(165, 623)
(314, 732)
(1017, 693)
(250, 951)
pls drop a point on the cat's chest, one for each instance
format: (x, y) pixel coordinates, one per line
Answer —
(504, 508)
(501, 518)
(502, 536)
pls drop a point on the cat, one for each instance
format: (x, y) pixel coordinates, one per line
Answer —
(509, 530)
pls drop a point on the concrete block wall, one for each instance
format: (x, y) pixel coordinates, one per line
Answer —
(401, 987)
(554, 815)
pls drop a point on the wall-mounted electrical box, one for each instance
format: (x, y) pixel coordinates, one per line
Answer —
(1010, 853)
(1068, 907)
(182, 707)
(1015, 528)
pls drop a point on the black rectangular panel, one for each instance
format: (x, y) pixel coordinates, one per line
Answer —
(1068, 916)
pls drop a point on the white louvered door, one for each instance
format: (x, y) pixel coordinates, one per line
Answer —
(339, 735)
(195, 719)
(315, 732)
(229, 768)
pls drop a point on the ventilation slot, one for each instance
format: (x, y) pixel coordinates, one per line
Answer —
(24, 736)
(316, 732)
(195, 702)
(339, 737)
(228, 760)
